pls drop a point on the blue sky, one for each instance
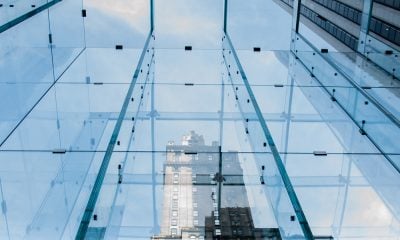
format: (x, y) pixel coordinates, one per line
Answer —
(74, 114)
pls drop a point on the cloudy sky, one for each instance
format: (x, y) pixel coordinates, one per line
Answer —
(77, 116)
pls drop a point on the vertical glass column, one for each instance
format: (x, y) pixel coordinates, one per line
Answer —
(129, 102)
(286, 206)
(365, 21)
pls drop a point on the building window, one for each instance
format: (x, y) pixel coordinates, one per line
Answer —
(174, 222)
(174, 231)
(174, 213)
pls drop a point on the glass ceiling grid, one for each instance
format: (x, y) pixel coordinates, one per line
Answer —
(189, 146)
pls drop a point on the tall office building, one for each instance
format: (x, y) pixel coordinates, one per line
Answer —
(289, 109)
(193, 204)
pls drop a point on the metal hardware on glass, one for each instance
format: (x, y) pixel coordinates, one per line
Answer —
(59, 151)
(320, 153)
(333, 95)
(262, 175)
(362, 131)
(119, 173)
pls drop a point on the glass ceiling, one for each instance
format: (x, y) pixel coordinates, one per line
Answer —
(148, 120)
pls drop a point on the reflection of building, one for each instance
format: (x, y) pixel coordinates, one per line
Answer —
(191, 197)
(341, 20)
(237, 223)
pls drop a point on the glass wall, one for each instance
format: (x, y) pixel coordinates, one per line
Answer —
(199, 119)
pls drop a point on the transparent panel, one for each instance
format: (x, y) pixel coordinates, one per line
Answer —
(332, 25)
(116, 23)
(13, 12)
(25, 69)
(42, 190)
(253, 24)
(350, 190)
(369, 114)
(68, 37)
(180, 23)
(112, 129)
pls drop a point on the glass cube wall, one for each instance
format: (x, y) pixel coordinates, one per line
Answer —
(199, 119)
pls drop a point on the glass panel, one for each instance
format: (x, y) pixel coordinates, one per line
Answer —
(116, 23)
(283, 198)
(13, 12)
(350, 190)
(78, 124)
(320, 24)
(67, 40)
(180, 23)
(254, 24)
(279, 135)
(373, 119)
(25, 69)
(383, 55)
(169, 69)
(42, 192)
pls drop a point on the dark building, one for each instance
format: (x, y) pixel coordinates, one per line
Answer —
(341, 20)
(237, 223)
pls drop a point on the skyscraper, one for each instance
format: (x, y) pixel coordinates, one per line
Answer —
(194, 206)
